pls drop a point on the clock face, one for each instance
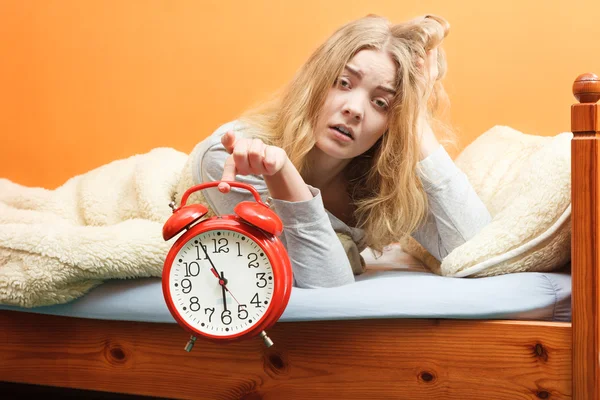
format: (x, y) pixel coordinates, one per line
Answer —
(221, 282)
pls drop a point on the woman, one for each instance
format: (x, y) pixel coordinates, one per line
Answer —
(347, 149)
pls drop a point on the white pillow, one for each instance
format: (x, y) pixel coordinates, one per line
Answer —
(525, 182)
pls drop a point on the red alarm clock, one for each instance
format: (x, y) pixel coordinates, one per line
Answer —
(227, 277)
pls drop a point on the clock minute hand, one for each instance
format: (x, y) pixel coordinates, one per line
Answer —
(223, 291)
(224, 285)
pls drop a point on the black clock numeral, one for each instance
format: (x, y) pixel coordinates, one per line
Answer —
(192, 269)
(242, 311)
(223, 243)
(186, 286)
(239, 249)
(202, 253)
(194, 305)
(262, 281)
(212, 311)
(253, 257)
(226, 317)
(255, 300)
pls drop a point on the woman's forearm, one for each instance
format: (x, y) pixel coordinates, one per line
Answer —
(287, 184)
(429, 142)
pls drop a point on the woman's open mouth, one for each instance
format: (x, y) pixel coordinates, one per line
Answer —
(341, 132)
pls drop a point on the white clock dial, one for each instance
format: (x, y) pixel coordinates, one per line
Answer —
(243, 267)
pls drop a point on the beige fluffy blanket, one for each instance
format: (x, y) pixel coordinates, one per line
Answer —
(55, 245)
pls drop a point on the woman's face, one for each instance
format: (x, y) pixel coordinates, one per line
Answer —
(355, 113)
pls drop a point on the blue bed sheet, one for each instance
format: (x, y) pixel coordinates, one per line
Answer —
(379, 293)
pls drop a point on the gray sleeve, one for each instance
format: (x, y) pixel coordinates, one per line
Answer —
(456, 213)
(317, 256)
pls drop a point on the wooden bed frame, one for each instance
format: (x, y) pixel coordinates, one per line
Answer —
(366, 359)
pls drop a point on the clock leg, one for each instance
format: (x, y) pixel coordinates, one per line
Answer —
(268, 342)
(190, 343)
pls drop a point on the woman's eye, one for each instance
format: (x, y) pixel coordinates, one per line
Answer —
(344, 82)
(381, 104)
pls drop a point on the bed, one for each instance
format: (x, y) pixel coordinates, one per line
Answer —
(516, 336)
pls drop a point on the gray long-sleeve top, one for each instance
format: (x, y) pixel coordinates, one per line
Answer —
(318, 258)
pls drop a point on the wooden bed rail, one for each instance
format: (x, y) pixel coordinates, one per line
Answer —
(585, 219)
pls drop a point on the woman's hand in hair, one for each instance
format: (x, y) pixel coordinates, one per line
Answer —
(250, 157)
(430, 68)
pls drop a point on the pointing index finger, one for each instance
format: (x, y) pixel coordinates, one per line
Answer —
(228, 140)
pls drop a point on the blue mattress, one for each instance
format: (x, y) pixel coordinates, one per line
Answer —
(386, 290)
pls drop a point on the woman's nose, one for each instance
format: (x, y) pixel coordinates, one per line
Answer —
(353, 109)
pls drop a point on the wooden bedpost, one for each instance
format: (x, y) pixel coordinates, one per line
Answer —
(585, 239)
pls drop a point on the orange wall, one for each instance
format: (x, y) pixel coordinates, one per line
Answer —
(83, 83)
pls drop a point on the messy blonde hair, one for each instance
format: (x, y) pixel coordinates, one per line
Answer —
(387, 194)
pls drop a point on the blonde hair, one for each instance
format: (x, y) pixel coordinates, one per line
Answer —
(385, 189)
